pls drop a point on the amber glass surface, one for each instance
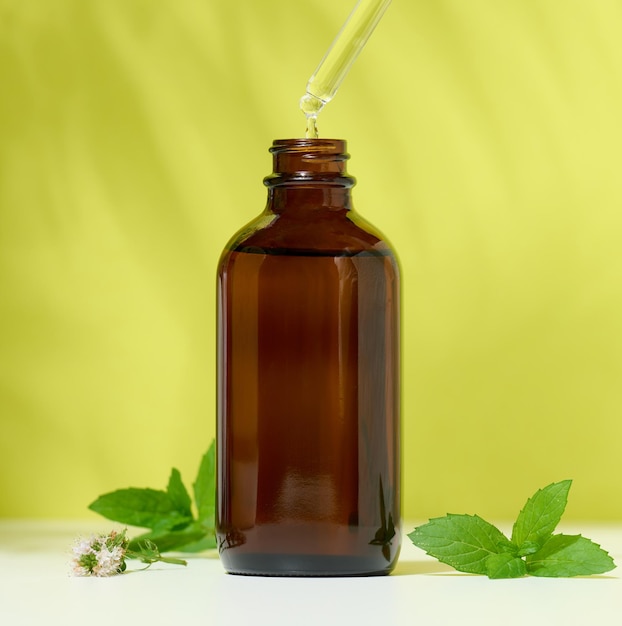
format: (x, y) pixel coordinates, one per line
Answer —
(308, 469)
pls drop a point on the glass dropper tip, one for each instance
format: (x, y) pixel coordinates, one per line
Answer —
(311, 106)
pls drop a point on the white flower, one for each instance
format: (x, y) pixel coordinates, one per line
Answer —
(109, 562)
(101, 555)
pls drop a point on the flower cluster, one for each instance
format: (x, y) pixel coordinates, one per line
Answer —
(101, 555)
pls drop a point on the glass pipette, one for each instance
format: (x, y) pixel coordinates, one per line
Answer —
(331, 71)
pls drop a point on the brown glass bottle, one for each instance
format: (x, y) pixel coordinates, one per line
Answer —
(308, 452)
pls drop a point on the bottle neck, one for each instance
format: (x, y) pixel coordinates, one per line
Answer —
(309, 174)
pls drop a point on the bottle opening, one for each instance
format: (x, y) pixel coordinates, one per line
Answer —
(311, 145)
(304, 159)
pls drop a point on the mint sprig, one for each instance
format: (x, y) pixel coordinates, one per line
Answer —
(169, 516)
(470, 544)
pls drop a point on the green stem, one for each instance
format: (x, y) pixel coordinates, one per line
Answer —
(154, 557)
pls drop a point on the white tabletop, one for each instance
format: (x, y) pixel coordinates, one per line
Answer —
(36, 588)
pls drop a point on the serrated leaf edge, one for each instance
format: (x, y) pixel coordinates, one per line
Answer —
(539, 538)
(476, 567)
(536, 571)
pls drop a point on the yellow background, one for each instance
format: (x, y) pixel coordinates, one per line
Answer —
(486, 137)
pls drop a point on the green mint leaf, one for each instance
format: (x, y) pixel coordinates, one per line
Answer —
(569, 555)
(207, 540)
(168, 514)
(205, 487)
(206, 543)
(178, 493)
(540, 515)
(505, 566)
(505, 546)
(463, 541)
(147, 508)
(171, 541)
(528, 547)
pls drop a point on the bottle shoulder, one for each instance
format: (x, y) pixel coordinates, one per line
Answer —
(342, 233)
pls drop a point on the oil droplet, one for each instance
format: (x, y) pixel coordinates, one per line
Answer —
(311, 132)
(311, 106)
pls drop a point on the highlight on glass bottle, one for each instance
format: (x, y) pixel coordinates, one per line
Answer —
(308, 469)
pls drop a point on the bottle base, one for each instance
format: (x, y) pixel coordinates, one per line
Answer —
(294, 565)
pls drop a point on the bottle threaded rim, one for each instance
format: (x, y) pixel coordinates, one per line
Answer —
(302, 144)
(305, 160)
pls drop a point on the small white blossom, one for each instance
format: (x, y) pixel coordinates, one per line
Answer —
(101, 555)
